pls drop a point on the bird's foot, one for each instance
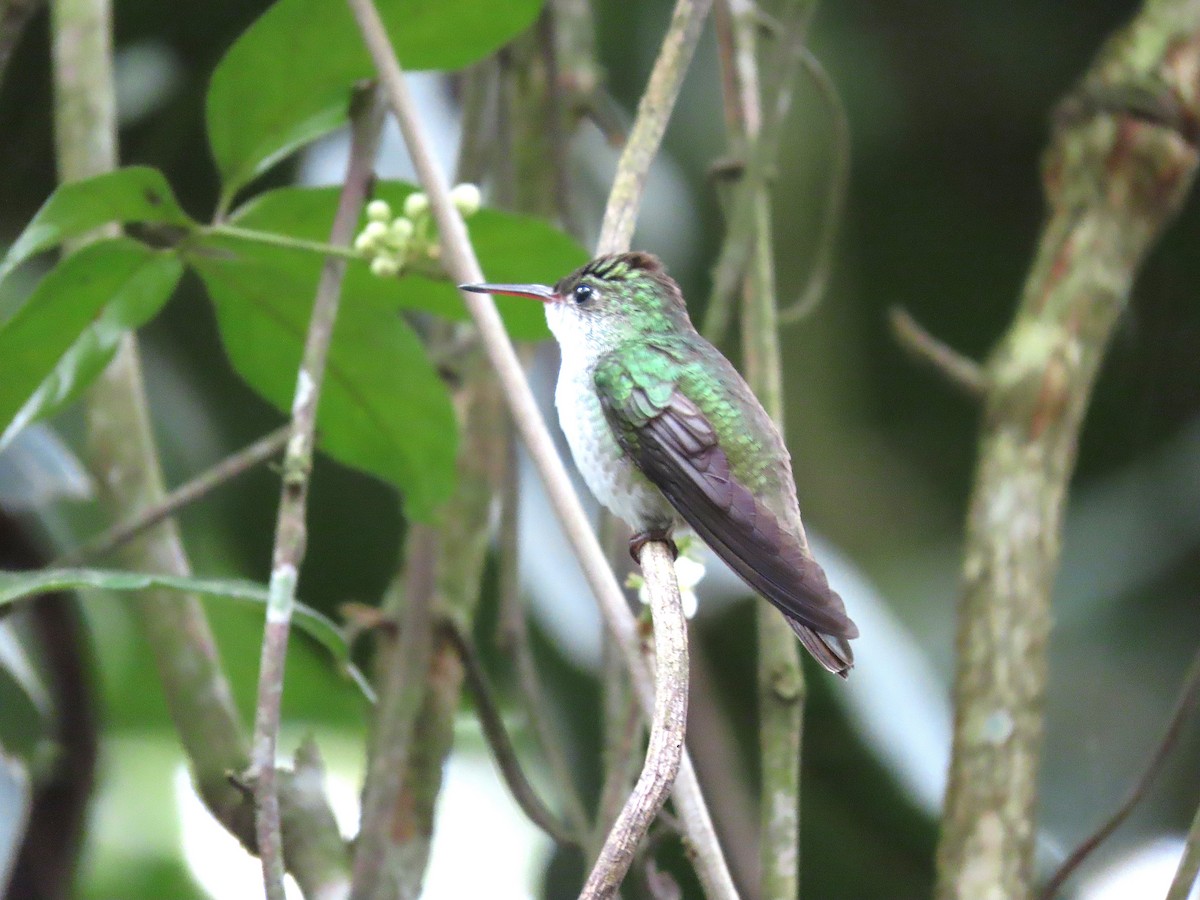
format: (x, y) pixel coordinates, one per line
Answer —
(640, 539)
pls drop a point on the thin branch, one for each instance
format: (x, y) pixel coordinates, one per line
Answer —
(402, 669)
(291, 529)
(1189, 864)
(462, 264)
(492, 723)
(667, 725)
(513, 641)
(780, 680)
(961, 371)
(736, 250)
(227, 469)
(835, 198)
(1114, 177)
(654, 111)
(623, 730)
(1186, 703)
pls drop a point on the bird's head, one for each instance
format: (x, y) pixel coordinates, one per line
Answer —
(610, 300)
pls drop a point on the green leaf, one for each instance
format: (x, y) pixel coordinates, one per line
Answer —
(287, 80)
(383, 408)
(16, 586)
(67, 330)
(510, 248)
(134, 194)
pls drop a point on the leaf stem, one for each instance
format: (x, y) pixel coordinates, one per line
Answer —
(291, 529)
(273, 239)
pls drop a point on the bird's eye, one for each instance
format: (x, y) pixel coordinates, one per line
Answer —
(582, 293)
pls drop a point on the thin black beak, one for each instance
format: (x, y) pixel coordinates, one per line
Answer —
(536, 291)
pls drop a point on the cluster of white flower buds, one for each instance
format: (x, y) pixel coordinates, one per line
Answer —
(689, 570)
(390, 241)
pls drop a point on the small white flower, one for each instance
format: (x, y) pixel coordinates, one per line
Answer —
(688, 573)
(385, 266)
(375, 231)
(379, 211)
(467, 198)
(400, 231)
(364, 243)
(415, 205)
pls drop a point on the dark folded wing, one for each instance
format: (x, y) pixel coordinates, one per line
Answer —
(677, 448)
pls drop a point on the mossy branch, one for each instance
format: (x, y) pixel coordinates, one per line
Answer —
(1121, 160)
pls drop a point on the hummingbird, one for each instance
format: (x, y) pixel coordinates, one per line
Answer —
(665, 431)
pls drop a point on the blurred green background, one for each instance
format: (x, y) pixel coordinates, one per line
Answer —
(949, 106)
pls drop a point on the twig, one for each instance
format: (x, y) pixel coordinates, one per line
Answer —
(229, 468)
(961, 371)
(780, 680)
(667, 725)
(402, 670)
(835, 200)
(623, 729)
(497, 737)
(513, 640)
(1184, 706)
(777, 97)
(462, 264)
(654, 110)
(1113, 178)
(291, 529)
(121, 446)
(1189, 864)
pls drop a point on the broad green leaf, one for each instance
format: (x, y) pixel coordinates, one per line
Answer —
(134, 194)
(288, 79)
(383, 408)
(67, 330)
(16, 586)
(510, 248)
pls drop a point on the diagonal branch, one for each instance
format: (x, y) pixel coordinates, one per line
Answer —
(1189, 696)
(1120, 163)
(462, 264)
(291, 530)
(125, 531)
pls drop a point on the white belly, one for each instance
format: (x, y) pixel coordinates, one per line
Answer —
(609, 474)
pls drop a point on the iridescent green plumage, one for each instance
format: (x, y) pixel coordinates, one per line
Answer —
(662, 426)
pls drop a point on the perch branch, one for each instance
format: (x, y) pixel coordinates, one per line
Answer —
(1120, 162)
(667, 725)
(462, 264)
(291, 529)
